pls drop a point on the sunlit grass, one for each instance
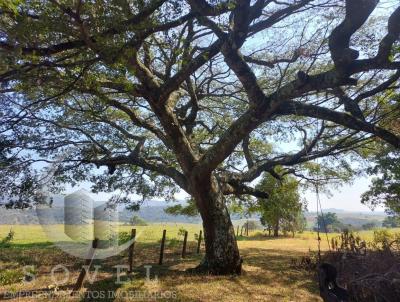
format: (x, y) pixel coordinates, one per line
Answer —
(36, 234)
(267, 271)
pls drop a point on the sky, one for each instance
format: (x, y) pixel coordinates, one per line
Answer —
(346, 197)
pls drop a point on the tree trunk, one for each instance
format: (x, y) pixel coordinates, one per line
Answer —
(276, 229)
(222, 253)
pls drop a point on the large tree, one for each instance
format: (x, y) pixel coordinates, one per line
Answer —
(385, 187)
(328, 222)
(283, 207)
(190, 95)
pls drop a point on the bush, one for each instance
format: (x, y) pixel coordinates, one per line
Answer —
(382, 239)
(123, 237)
(368, 226)
(8, 277)
(181, 232)
(172, 242)
(138, 221)
(5, 242)
(391, 222)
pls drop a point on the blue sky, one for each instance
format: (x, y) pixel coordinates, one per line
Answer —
(346, 197)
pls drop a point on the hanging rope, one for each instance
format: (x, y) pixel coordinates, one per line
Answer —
(318, 226)
(319, 209)
(319, 206)
(318, 200)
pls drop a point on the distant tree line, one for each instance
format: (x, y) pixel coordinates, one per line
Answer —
(329, 222)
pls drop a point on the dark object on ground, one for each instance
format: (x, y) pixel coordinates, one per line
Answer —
(377, 287)
(329, 290)
(369, 272)
(374, 277)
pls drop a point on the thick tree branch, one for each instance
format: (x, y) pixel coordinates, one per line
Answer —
(68, 45)
(382, 87)
(176, 81)
(235, 189)
(302, 156)
(205, 9)
(246, 151)
(385, 47)
(357, 13)
(136, 160)
(346, 120)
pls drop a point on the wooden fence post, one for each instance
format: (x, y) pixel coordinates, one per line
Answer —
(131, 248)
(160, 262)
(199, 243)
(184, 245)
(88, 263)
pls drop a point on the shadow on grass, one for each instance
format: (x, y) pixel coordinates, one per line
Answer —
(32, 293)
(111, 290)
(103, 290)
(41, 245)
(264, 269)
(278, 263)
(260, 237)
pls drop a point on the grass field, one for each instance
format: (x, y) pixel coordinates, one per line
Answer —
(268, 274)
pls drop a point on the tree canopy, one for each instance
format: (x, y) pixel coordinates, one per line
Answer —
(89, 78)
(385, 187)
(329, 222)
(283, 209)
(155, 96)
(283, 206)
(391, 222)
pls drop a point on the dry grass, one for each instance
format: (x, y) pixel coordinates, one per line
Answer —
(268, 275)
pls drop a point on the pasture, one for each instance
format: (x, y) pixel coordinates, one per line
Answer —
(267, 271)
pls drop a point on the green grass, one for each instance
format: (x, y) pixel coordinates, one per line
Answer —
(267, 271)
(153, 232)
(30, 235)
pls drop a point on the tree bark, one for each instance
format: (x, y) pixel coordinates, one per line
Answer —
(276, 229)
(222, 253)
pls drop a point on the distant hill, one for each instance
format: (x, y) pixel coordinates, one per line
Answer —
(356, 219)
(156, 213)
(55, 215)
(352, 213)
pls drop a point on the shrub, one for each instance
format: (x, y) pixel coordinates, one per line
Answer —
(8, 277)
(368, 226)
(7, 240)
(138, 221)
(123, 237)
(181, 232)
(382, 239)
(173, 242)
